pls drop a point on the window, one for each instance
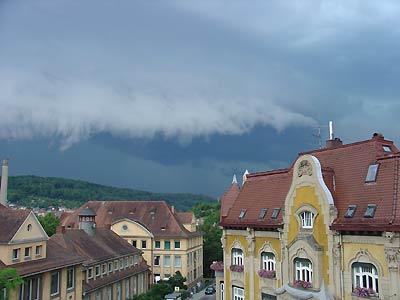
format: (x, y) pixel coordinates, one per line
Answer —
(242, 213)
(15, 254)
(109, 293)
(268, 261)
(157, 244)
(30, 289)
(303, 269)
(131, 259)
(365, 276)
(177, 244)
(97, 271)
(134, 243)
(28, 252)
(126, 262)
(121, 263)
(350, 211)
(177, 261)
(237, 257)
(127, 289)
(124, 227)
(103, 269)
(116, 265)
(29, 227)
(70, 278)
(118, 290)
(307, 219)
(372, 172)
(238, 293)
(386, 148)
(157, 260)
(144, 245)
(167, 260)
(221, 288)
(55, 284)
(167, 245)
(38, 251)
(98, 295)
(275, 213)
(263, 213)
(90, 273)
(370, 212)
(110, 267)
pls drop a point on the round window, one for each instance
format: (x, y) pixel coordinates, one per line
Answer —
(124, 227)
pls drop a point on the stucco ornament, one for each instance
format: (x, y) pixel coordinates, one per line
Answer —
(305, 168)
(336, 254)
(391, 257)
(251, 244)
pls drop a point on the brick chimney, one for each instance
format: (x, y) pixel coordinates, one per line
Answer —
(336, 142)
(60, 229)
(378, 136)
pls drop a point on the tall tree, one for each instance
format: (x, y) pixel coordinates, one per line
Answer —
(49, 223)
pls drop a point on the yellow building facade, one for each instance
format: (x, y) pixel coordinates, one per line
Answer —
(325, 228)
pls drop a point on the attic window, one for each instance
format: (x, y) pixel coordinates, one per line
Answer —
(372, 172)
(370, 212)
(386, 148)
(350, 211)
(242, 213)
(263, 213)
(275, 213)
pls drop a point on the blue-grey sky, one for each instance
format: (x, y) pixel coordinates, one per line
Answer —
(178, 95)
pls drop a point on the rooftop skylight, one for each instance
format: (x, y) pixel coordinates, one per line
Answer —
(372, 172)
(370, 212)
(263, 213)
(386, 148)
(242, 213)
(350, 211)
(275, 213)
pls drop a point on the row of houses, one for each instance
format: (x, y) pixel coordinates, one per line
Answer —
(327, 227)
(104, 250)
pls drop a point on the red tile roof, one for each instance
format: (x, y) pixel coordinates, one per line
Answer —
(344, 170)
(229, 198)
(156, 216)
(185, 217)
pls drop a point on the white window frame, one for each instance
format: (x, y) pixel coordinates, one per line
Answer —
(58, 283)
(16, 251)
(237, 257)
(119, 291)
(178, 260)
(307, 219)
(38, 251)
(222, 290)
(238, 293)
(303, 270)
(169, 261)
(73, 278)
(90, 273)
(179, 244)
(109, 293)
(110, 267)
(127, 289)
(268, 261)
(367, 270)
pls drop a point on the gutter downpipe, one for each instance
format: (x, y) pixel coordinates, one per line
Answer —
(341, 266)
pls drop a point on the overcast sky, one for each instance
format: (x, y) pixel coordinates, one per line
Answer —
(178, 95)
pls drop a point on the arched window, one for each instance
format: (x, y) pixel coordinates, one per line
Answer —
(237, 257)
(268, 261)
(365, 276)
(303, 269)
(307, 219)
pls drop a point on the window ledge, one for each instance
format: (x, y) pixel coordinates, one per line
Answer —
(375, 297)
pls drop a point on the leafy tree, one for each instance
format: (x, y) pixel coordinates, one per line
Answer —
(49, 223)
(177, 281)
(212, 248)
(9, 280)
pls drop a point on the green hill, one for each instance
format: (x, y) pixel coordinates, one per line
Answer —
(35, 191)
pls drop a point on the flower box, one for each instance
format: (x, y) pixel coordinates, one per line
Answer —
(302, 284)
(267, 273)
(364, 292)
(237, 268)
(217, 266)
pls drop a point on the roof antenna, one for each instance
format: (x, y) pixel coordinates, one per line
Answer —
(331, 135)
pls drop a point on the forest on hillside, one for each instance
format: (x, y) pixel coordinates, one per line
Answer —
(36, 191)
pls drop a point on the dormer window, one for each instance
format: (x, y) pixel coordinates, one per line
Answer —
(372, 172)
(350, 211)
(370, 212)
(386, 148)
(307, 219)
(275, 213)
(242, 213)
(263, 213)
